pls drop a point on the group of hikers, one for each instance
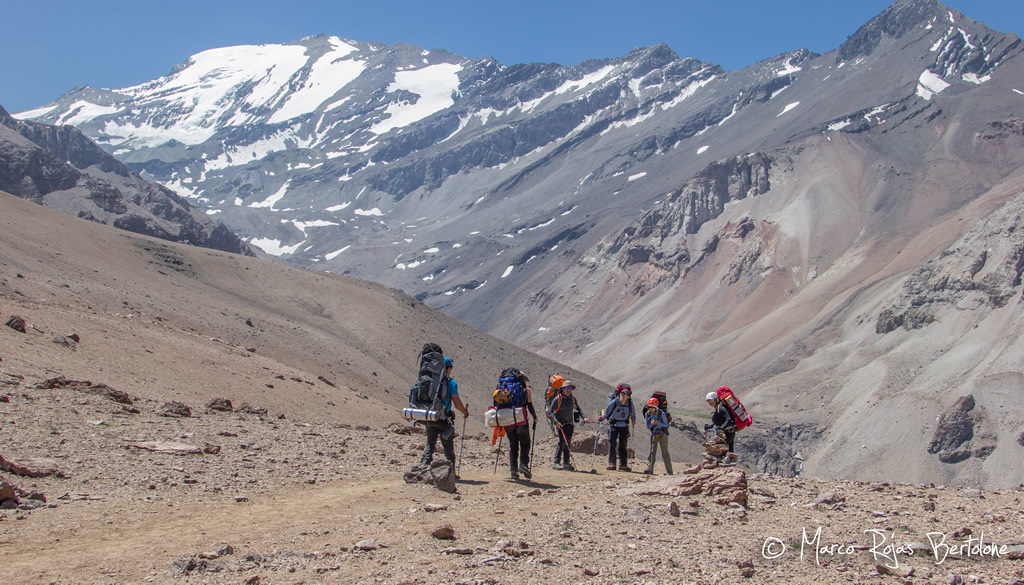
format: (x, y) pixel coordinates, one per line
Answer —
(513, 406)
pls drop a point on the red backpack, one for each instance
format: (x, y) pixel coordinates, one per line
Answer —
(739, 414)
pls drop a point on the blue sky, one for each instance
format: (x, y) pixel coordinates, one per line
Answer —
(51, 46)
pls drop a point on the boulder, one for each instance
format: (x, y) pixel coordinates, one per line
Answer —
(7, 492)
(174, 409)
(30, 466)
(440, 474)
(220, 405)
(724, 485)
(17, 323)
(444, 532)
(586, 445)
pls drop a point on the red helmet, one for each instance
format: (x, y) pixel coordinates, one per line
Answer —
(653, 402)
(623, 388)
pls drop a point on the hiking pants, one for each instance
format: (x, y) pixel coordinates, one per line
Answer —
(433, 434)
(730, 439)
(562, 450)
(518, 446)
(660, 439)
(618, 435)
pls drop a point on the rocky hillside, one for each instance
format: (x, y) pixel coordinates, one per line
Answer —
(653, 218)
(179, 415)
(57, 166)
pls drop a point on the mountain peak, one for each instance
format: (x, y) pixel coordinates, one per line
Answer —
(894, 22)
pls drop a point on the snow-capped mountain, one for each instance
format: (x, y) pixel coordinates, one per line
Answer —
(702, 226)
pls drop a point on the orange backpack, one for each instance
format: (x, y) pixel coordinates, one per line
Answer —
(554, 384)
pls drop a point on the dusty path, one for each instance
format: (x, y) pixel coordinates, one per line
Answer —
(96, 541)
(563, 527)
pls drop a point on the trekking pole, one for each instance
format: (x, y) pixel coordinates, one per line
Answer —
(533, 443)
(462, 439)
(498, 455)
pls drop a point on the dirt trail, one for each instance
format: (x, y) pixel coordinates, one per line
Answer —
(133, 541)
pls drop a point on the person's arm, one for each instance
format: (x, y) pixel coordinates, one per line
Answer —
(457, 403)
(529, 406)
(577, 411)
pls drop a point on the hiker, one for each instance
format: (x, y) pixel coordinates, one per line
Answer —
(620, 414)
(513, 392)
(722, 421)
(555, 382)
(445, 430)
(657, 423)
(565, 411)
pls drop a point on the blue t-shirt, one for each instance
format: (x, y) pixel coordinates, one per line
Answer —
(453, 390)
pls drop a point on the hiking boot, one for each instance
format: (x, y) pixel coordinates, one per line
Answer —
(569, 467)
(525, 471)
(648, 472)
(732, 457)
(624, 468)
(558, 466)
(514, 475)
(610, 467)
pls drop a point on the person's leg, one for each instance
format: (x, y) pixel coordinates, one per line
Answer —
(561, 442)
(664, 453)
(449, 448)
(623, 446)
(524, 448)
(613, 438)
(428, 449)
(569, 430)
(513, 448)
(652, 457)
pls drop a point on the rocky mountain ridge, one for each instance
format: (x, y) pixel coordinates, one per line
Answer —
(58, 166)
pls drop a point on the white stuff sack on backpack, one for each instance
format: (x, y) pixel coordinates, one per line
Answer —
(503, 417)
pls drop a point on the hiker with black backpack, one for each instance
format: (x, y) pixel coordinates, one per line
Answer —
(512, 401)
(445, 429)
(620, 414)
(565, 412)
(657, 423)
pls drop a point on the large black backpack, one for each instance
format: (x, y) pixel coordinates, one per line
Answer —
(430, 387)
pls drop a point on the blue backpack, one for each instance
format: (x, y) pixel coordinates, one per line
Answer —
(511, 389)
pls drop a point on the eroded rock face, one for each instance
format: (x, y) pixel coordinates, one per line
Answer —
(961, 433)
(39, 159)
(982, 270)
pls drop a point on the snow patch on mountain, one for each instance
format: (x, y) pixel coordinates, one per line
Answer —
(334, 254)
(82, 111)
(328, 75)
(788, 108)
(274, 198)
(929, 84)
(434, 85)
(274, 247)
